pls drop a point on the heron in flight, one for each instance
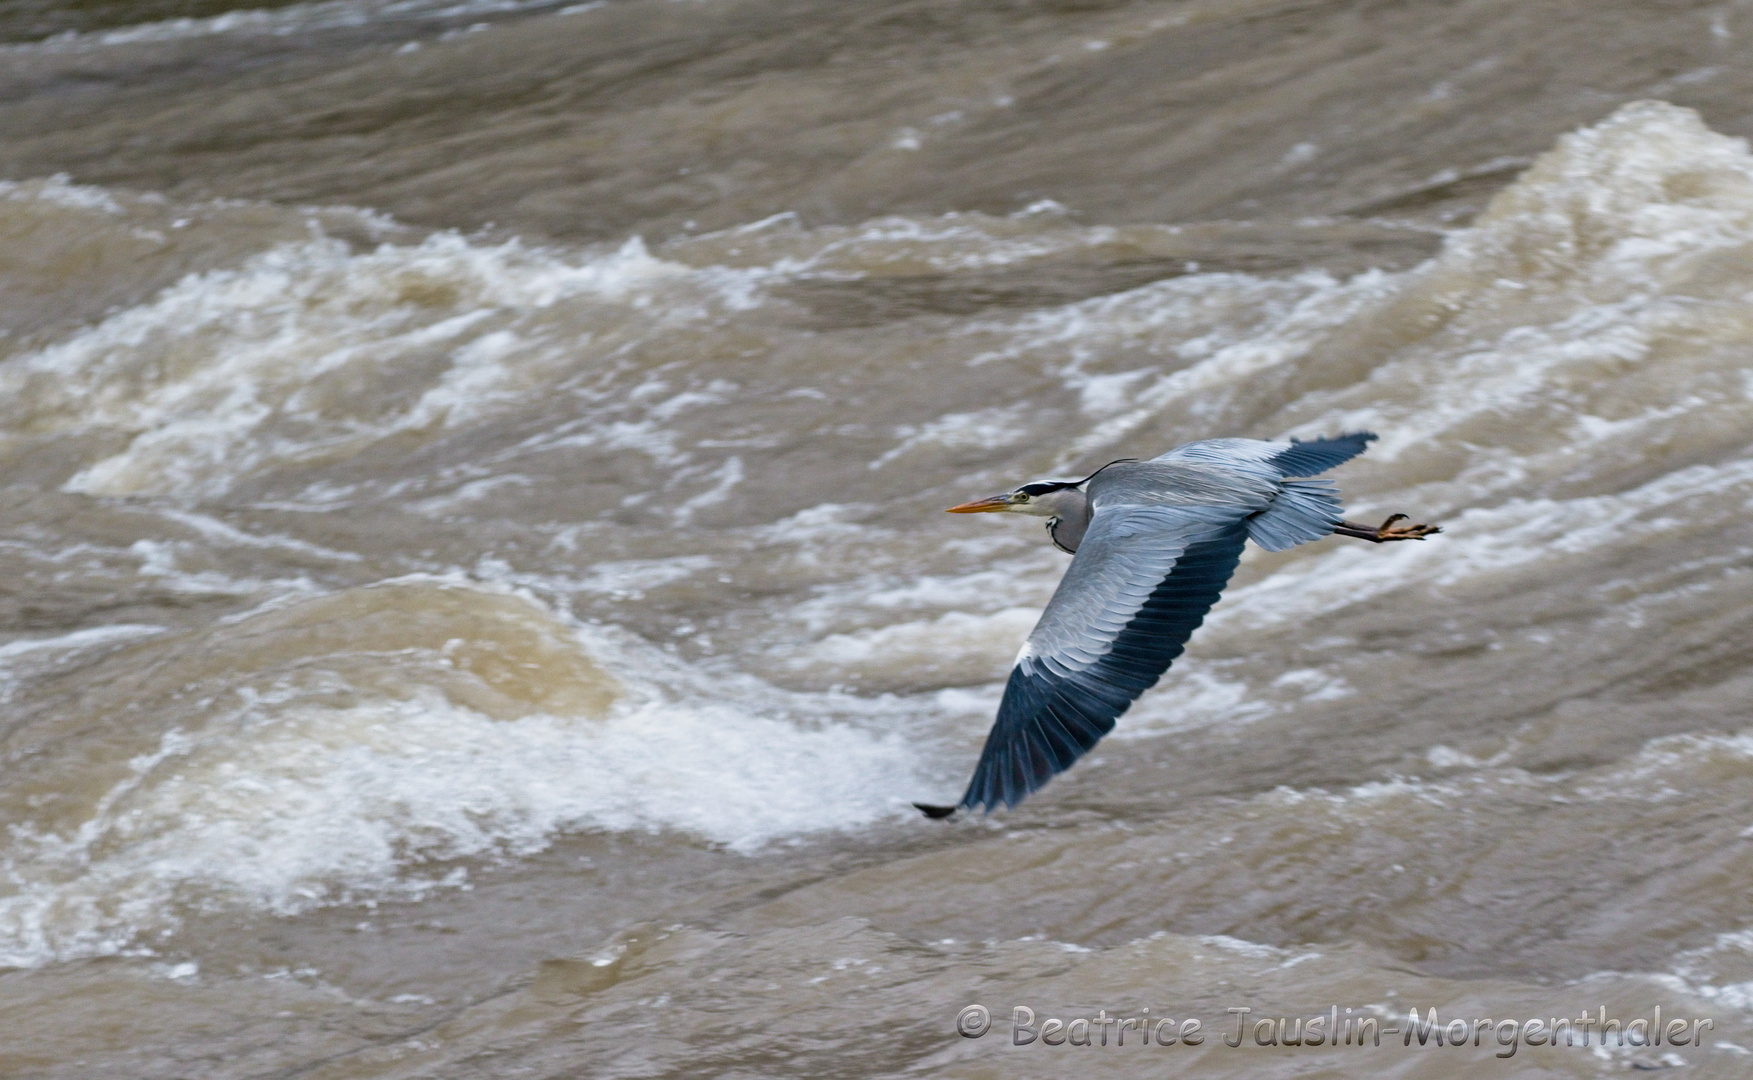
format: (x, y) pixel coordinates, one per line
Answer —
(1153, 544)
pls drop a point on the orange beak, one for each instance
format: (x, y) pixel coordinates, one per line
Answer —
(981, 506)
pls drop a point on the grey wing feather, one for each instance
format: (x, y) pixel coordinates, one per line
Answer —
(1126, 552)
(1148, 576)
(1303, 510)
(1278, 460)
(1297, 510)
(1319, 455)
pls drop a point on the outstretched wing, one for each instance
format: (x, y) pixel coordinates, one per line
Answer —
(1141, 583)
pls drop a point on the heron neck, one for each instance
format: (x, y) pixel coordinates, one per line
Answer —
(1071, 516)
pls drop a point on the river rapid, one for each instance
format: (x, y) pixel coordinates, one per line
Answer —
(476, 598)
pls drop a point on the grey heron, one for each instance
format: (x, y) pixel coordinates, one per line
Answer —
(1153, 544)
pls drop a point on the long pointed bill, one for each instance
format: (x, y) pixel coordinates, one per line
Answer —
(981, 506)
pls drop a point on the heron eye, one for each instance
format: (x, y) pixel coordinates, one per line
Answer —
(1022, 496)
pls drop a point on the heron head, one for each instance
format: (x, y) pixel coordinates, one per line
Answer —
(1045, 498)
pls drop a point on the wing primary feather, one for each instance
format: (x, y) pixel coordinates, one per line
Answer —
(1319, 455)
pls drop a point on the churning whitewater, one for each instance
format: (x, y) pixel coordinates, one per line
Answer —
(304, 773)
(591, 599)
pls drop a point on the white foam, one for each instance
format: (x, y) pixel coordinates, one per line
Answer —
(293, 801)
(1620, 206)
(76, 640)
(60, 191)
(629, 579)
(1253, 950)
(904, 246)
(1712, 971)
(231, 371)
(1192, 695)
(1013, 582)
(25, 657)
(1671, 768)
(984, 429)
(217, 530)
(956, 642)
(725, 478)
(291, 19)
(162, 559)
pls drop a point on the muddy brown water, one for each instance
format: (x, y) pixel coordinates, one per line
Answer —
(476, 601)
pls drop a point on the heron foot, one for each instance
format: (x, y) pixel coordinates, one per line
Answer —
(1387, 530)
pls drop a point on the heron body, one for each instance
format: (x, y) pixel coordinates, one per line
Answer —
(1154, 543)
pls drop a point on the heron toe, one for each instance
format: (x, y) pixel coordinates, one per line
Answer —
(1389, 531)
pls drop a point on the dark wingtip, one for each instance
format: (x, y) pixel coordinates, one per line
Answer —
(934, 812)
(1366, 436)
(1316, 456)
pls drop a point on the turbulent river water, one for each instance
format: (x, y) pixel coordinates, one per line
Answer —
(476, 601)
